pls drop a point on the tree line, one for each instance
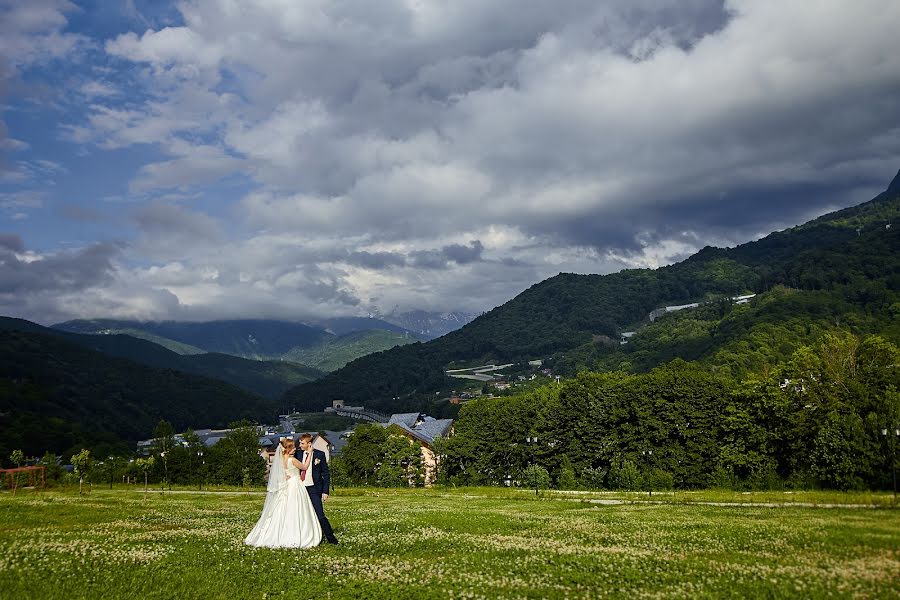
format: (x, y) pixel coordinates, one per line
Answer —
(821, 419)
(233, 460)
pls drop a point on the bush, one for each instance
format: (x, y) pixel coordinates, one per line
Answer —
(592, 478)
(722, 478)
(536, 477)
(657, 479)
(624, 475)
(337, 469)
(765, 479)
(566, 479)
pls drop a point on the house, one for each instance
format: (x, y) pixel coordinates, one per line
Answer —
(500, 384)
(423, 430)
(208, 437)
(626, 335)
(338, 440)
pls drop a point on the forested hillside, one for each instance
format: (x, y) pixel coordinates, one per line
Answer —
(257, 339)
(332, 354)
(265, 378)
(849, 257)
(59, 396)
(325, 345)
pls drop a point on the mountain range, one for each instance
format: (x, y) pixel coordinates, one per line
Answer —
(59, 395)
(324, 345)
(841, 270)
(87, 382)
(428, 325)
(268, 379)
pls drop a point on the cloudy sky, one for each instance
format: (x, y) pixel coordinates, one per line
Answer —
(300, 158)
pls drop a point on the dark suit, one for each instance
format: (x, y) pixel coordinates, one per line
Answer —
(321, 480)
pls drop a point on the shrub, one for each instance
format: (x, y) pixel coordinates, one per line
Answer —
(624, 475)
(657, 479)
(593, 477)
(536, 477)
(566, 479)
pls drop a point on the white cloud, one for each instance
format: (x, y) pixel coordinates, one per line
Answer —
(93, 89)
(194, 165)
(30, 31)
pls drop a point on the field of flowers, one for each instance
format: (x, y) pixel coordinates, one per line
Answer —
(470, 543)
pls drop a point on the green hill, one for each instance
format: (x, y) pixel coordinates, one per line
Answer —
(332, 354)
(850, 258)
(325, 346)
(60, 396)
(265, 378)
(176, 347)
(256, 339)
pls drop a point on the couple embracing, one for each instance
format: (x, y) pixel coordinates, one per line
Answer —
(293, 515)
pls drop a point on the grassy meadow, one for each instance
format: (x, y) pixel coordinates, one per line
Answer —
(465, 543)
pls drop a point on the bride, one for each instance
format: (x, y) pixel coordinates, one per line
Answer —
(288, 519)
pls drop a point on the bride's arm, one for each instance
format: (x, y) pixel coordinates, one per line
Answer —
(303, 466)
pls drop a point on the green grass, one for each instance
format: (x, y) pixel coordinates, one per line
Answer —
(464, 543)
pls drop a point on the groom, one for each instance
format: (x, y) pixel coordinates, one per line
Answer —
(316, 480)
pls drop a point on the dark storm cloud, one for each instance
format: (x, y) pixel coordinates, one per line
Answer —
(441, 259)
(11, 242)
(172, 220)
(376, 260)
(63, 272)
(464, 254)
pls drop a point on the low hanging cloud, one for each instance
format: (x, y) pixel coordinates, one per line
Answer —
(34, 285)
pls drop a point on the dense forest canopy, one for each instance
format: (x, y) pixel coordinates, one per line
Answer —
(59, 396)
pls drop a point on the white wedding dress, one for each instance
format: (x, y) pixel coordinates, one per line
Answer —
(288, 519)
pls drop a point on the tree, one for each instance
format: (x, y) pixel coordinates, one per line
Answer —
(112, 468)
(624, 475)
(196, 462)
(401, 464)
(536, 477)
(338, 469)
(163, 443)
(145, 465)
(51, 465)
(17, 457)
(237, 451)
(364, 452)
(566, 479)
(82, 463)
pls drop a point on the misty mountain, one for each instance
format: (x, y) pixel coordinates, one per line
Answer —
(343, 325)
(333, 354)
(429, 325)
(329, 344)
(256, 339)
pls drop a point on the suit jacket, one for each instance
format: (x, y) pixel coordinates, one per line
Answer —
(321, 478)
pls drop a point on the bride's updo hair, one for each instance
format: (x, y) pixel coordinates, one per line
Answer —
(288, 445)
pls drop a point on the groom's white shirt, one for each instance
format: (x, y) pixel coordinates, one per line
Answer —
(307, 479)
